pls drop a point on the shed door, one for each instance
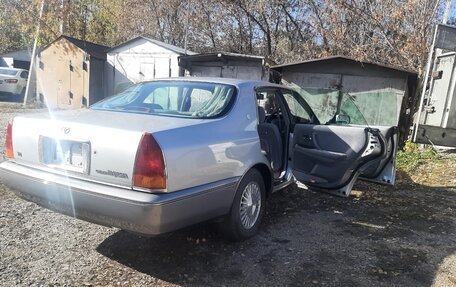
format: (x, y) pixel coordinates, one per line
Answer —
(162, 68)
(146, 71)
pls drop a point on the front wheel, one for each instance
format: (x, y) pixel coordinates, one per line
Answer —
(247, 210)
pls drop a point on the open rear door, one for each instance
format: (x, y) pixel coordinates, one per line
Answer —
(332, 157)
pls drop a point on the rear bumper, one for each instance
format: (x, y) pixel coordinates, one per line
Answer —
(10, 89)
(135, 211)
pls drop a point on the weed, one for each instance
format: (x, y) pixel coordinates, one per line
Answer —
(413, 156)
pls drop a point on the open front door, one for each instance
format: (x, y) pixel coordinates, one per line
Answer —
(331, 155)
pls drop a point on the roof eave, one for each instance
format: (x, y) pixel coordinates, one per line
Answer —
(344, 58)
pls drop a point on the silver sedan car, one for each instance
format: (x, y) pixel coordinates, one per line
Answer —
(167, 154)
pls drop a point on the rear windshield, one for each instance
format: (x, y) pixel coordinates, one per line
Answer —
(171, 98)
(8, 72)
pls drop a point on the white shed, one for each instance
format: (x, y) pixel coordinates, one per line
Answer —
(141, 59)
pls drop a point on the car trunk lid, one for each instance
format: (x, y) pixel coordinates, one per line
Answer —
(89, 144)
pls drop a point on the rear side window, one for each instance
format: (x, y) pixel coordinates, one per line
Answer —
(173, 98)
(8, 72)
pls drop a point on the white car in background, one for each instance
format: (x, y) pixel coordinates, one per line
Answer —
(13, 82)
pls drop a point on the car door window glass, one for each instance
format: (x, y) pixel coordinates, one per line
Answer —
(350, 110)
(379, 107)
(322, 101)
(296, 108)
(376, 108)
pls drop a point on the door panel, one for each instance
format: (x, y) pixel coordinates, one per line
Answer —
(383, 168)
(331, 157)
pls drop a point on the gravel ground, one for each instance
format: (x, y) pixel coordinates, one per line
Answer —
(381, 236)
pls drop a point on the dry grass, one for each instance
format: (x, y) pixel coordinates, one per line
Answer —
(426, 166)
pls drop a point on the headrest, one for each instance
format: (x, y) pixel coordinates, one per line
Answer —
(261, 114)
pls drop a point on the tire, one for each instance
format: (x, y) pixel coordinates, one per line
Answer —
(22, 95)
(241, 225)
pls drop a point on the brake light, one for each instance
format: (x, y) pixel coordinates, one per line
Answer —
(149, 171)
(10, 81)
(9, 141)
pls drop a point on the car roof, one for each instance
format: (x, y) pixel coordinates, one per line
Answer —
(12, 69)
(227, 81)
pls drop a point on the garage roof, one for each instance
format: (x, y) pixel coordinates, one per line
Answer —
(339, 57)
(167, 46)
(94, 50)
(217, 56)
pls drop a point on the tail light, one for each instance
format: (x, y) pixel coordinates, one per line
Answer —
(9, 141)
(149, 171)
(10, 81)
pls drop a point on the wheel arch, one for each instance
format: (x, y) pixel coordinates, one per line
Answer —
(265, 172)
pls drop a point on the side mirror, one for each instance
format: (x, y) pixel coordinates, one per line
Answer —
(342, 119)
(260, 96)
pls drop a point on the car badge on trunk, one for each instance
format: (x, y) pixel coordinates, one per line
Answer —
(66, 130)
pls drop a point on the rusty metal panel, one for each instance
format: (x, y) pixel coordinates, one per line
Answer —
(228, 69)
(205, 71)
(435, 135)
(249, 72)
(445, 37)
(313, 80)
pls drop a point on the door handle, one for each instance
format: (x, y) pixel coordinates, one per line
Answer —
(307, 137)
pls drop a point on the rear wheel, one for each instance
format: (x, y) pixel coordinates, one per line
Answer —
(22, 95)
(247, 210)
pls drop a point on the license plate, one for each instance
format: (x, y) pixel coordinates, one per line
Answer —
(65, 154)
